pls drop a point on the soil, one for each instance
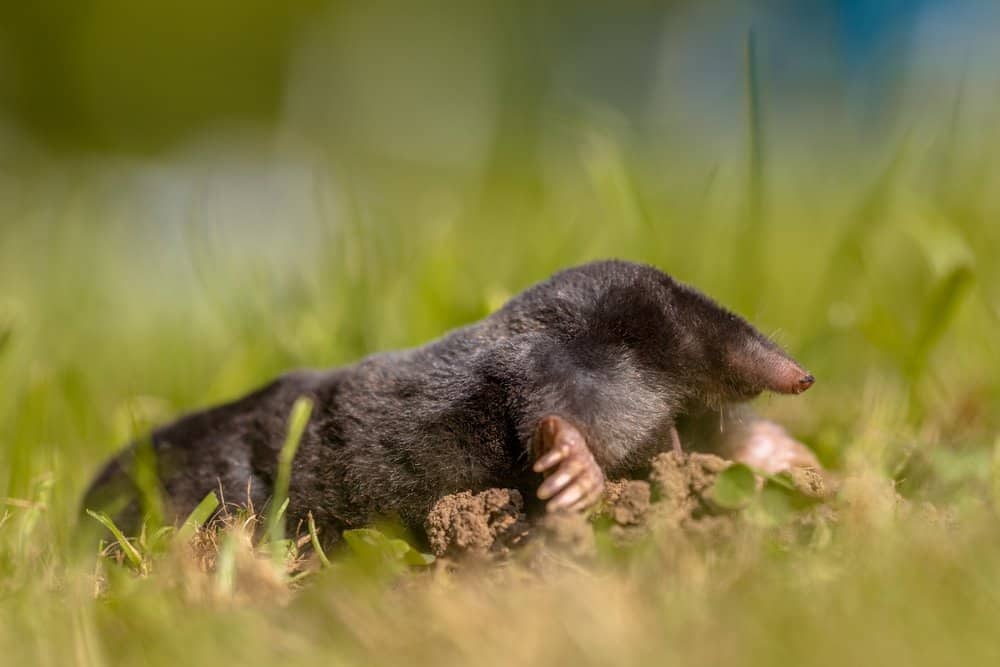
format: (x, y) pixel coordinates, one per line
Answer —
(627, 501)
(676, 495)
(480, 524)
(680, 484)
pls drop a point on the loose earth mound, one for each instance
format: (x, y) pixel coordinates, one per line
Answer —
(678, 494)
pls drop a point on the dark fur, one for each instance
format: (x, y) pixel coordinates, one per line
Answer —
(619, 349)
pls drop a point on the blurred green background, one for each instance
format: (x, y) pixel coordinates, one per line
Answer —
(195, 197)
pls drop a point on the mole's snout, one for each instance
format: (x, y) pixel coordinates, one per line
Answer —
(790, 378)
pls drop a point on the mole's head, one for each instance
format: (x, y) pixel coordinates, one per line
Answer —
(704, 353)
(723, 357)
(726, 358)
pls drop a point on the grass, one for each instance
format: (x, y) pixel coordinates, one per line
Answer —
(884, 287)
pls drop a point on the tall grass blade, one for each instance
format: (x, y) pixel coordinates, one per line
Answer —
(6, 332)
(864, 221)
(301, 411)
(995, 476)
(131, 553)
(39, 503)
(225, 565)
(146, 474)
(938, 313)
(749, 248)
(314, 539)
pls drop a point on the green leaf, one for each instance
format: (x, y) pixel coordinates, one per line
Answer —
(780, 497)
(418, 558)
(373, 547)
(734, 488)
(782, 479)
(776, 501)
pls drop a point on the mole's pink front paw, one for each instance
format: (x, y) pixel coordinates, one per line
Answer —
(769, 448)
(573, 480)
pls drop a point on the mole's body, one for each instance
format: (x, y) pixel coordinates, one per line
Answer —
(595, 365)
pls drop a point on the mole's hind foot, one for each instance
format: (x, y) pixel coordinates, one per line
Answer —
(573, 480)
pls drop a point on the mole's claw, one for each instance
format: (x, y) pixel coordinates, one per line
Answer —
(577, 482)
(581, 494)
(565, 499)
(550, 459)
(561, 478)
(588, 500)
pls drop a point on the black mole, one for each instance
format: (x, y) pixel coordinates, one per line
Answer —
(581, 377)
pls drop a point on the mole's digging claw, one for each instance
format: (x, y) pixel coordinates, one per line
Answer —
(573, 480)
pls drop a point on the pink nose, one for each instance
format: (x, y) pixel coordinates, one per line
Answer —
(791, 379)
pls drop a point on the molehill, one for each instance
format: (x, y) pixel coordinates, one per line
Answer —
(676, 495)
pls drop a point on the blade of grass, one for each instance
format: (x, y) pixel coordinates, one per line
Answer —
(130, 551)
(6, 331)
(751, 240)
(146, 475)
(225, 565)
(301, 411)
(40, 501)
(314, 539)
(198, 516)
(996, 476)
(938, 313)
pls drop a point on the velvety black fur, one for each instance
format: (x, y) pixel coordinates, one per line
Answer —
(619, 349)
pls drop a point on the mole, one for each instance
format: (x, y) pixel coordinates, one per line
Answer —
(578, 379)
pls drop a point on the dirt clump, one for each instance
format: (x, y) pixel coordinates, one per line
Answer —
(566, 532)
(477, 524)
(627, 501)
(680, 482)
(809, 482)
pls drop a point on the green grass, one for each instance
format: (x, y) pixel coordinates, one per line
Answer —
(887, 289)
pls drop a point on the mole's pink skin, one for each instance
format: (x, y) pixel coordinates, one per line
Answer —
(573, 480)
(789, 378)
(766, 446)
(761, 365)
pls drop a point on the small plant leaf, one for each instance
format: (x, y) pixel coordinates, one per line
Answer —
(373, 547)
(734, 488)
(776, 501)
(418, 558)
